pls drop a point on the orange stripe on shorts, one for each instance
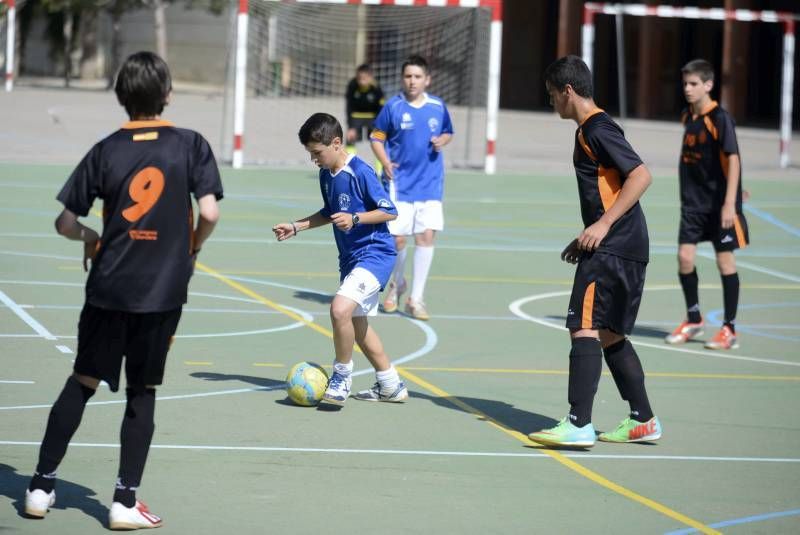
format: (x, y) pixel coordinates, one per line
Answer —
(739, 232)
(588, 307)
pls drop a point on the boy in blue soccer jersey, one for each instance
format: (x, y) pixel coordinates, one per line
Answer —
(408, 137)
(358, 207)
(145, 173)
(611, 252)
(711, 204)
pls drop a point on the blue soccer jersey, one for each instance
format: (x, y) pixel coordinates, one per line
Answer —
(407, 131)
(356, 188)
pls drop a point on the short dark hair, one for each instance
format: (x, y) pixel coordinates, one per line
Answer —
(321, 128)
(570, 70)
(701, 68)
(364, 67)
(415, 60)
(143, 84)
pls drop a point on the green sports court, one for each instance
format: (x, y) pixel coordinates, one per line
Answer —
(232, 454)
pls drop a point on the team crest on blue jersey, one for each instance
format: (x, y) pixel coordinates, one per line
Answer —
(344, 201)
(433, 124)
(384, 203)
(406, 121)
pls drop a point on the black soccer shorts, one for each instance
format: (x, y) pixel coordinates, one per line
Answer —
(106, 336)
(360, 126)
(699, 227)
(606, 293)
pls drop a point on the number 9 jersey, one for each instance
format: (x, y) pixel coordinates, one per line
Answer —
(145, 174)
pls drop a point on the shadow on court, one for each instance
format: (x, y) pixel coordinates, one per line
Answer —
(264, 383)
(645, 331)
(68, 495)
(509, 416)
(324, 299)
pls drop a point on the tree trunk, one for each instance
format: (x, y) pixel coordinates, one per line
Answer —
(113, 56)
(67, 45)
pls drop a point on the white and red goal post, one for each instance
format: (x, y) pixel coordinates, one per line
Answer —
(243, 73)
(591, 9)
(10, 34)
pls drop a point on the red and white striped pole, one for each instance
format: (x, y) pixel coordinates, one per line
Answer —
(493, 104)
(786, 91)
(10, 42)
(587, 35)
(240, 84)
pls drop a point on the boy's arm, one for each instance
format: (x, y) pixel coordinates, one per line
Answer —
(345, 220)
(207, 220)
(728, 214)
(284, 231)
(634, 186)
(67, 225)
(379, 150)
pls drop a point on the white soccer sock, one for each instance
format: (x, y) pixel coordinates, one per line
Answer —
(343, 369)
(423, 257)
(388, 380)
(399, 266)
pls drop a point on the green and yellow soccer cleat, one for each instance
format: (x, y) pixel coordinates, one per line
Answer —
(565, 434)
(632, 431)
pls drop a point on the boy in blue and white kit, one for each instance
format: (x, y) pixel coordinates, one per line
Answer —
(409, 134)
(357, 205)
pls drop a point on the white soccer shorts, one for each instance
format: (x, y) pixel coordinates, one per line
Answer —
(362, 287)
(416, 217)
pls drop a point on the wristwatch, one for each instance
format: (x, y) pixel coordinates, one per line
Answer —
(356, 219)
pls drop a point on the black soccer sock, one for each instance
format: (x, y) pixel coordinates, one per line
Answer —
(730, 298)
(689, 283)
(134, 437)
(65, 417)
(627, 371)
(585, 365)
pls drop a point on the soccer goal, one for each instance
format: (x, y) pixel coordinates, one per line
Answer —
(290, 59)
(590, 9)
(8, 15)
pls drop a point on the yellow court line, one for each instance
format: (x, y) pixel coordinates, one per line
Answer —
(649, 374)
(268, 365)
(566, 461)
(197, 363)
(589, 474)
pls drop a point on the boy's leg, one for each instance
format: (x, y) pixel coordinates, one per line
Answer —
(725, 338)
(338, 389)
(692, 326)
(626, 369)
(135, 437)
(423, 258)
(428, 219)
(388, 387)
(397, 281)
(65, 417)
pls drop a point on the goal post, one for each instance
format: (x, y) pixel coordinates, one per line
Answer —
(590, 9)
(10, 41)
(294, 58)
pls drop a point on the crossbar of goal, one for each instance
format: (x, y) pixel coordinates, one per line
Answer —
(493, 87)
(11, 16)
(591, 9)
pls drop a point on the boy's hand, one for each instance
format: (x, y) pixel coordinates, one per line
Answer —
(727, 216)
(438, 142)
(90, 249)
(351, 135)
(590, 238)
(342, 220)
(284, 231)
(571, 252)
(388, 170)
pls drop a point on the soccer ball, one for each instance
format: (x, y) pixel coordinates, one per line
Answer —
(306, 383)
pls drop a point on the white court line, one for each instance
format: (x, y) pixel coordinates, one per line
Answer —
(266, 449)
(64, 349)
(27, 318)
(755, 267)
(17, 382)
(516, 308)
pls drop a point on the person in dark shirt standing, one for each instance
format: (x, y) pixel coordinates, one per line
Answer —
(711, 203)
(612, 253)
(145, 173)
(364, 98)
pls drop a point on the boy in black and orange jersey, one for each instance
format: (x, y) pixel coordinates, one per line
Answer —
(711, 203)
(612, 253)
(145, 174)
(363, 100)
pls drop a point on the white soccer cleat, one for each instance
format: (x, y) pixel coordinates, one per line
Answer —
(136, 517)
(38, 502)
(398, 395)
(338, 389)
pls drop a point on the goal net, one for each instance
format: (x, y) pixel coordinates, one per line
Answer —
(300, 56)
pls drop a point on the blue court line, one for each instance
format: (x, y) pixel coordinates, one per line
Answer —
(736, 521)
(769, 218)
(715, 316)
